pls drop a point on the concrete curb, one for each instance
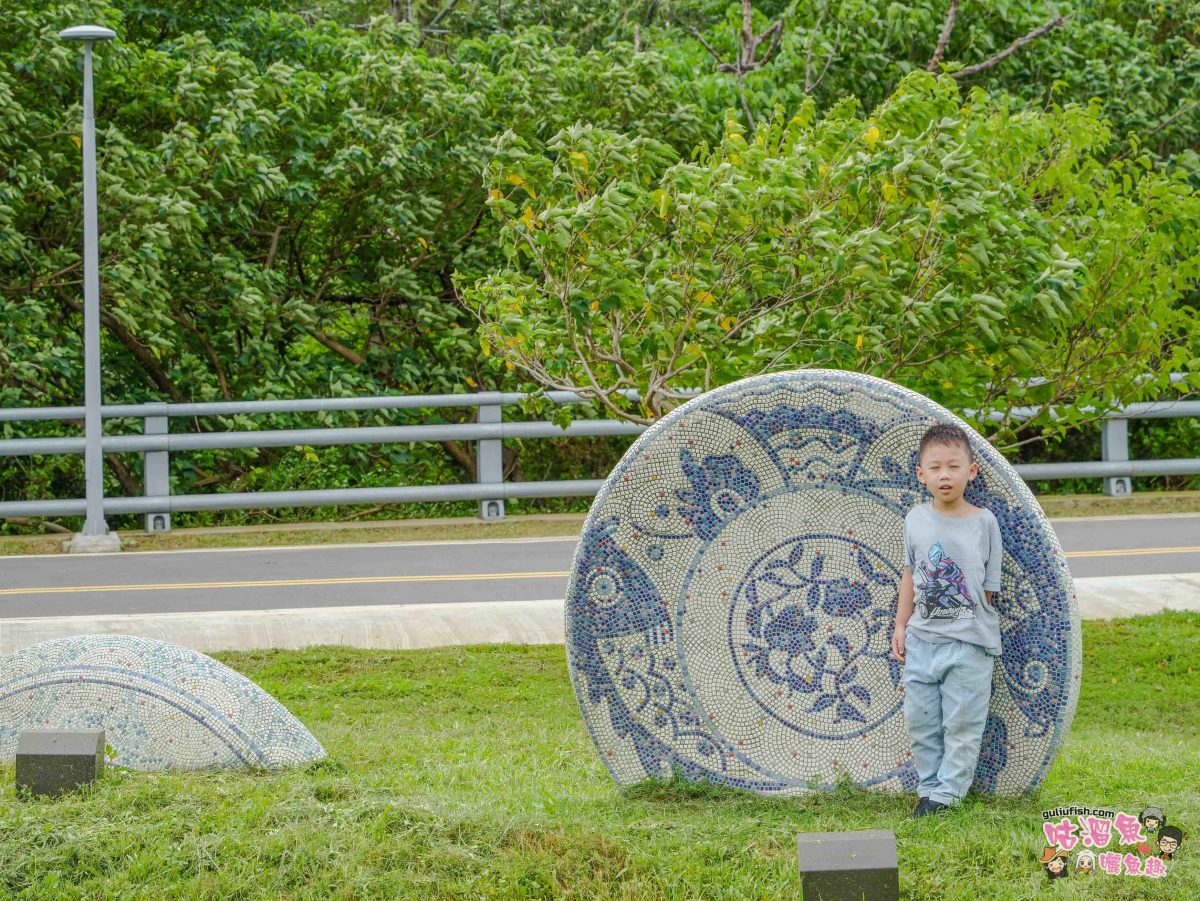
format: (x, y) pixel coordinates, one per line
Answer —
(437, 625)
(402, 626)
(1116, 596)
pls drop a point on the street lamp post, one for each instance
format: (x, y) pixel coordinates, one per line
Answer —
(95, 537)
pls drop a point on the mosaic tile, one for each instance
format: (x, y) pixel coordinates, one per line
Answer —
(731, 603)
(161, 706)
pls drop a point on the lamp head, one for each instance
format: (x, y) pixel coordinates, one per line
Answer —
(87, 33)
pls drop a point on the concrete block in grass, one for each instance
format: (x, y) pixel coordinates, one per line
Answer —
(849, 866)
(52, 762)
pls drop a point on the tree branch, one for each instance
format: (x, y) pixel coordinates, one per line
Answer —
(209, 351)
(1011, 48)
(442, 13)
(748, 59)
(775, 31)
(41, 523)
(745, 103)
(944, 37)
(129, 482)
(812, 34)
(461, 456)
(339, 348)
(274, 247)
(748, 42)
(1182, 111)
(703, 43)
(651, 9)
(140, 352)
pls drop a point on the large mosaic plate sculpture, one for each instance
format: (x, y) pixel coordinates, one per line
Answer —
(732, 599)
(161, 706)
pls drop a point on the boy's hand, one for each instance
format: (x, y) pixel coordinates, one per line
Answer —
(898, 644)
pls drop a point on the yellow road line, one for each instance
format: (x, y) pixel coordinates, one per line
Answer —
(275, 583)
(1134, 552)
(444, 577)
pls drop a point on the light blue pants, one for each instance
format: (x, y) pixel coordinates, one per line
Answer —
(946, 692)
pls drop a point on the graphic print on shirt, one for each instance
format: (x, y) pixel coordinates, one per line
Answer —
(943, 588)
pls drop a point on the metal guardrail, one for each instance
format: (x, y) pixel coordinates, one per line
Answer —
(156, 443)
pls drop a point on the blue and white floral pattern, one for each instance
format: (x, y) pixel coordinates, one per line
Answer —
(161, 706)
(731, 604)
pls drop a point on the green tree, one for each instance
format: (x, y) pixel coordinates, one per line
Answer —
(283, 204)
(963, 249)
(289, 198)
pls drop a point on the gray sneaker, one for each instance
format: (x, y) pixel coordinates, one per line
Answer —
(926, 806)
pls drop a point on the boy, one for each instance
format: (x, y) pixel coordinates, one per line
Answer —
(953, 552)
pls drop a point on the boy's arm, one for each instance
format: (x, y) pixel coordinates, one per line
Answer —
(995, 561)
(904, 612)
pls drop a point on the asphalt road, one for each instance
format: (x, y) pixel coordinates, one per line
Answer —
(443, 572)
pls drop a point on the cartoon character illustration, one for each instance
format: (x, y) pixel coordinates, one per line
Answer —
(1085, 862)
(1055, 862)
(943, 588)
(1152, 818)
(1169, 840)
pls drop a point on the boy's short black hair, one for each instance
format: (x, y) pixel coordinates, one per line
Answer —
(1171, 832)
(943, 433)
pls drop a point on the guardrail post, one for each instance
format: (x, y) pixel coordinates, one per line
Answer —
(489, 462)
(1114, 445)
(156, 473)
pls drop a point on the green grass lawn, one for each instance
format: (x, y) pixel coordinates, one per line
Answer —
(468, 773)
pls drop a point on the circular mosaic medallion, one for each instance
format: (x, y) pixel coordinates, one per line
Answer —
(731, 603)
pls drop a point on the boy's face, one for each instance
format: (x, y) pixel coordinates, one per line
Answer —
(1168, 845)
(945, 469)
(1056, 865)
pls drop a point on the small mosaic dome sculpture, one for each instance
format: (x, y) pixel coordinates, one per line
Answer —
(161, 706)
(732, 599)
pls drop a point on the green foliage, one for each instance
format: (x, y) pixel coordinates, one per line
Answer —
(1140, 59)
(961, 248)
(291, 194)
(275, 183)
(282, 204)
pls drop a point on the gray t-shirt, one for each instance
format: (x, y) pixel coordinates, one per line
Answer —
(953, 561)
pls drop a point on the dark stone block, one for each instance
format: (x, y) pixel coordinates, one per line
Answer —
(52, 762)
(849, 866)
